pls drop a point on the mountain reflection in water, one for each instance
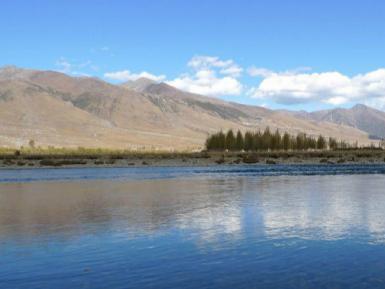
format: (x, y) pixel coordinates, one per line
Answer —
(165, 231)
(314, 207)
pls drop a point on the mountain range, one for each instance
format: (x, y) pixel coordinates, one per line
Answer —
(362, 117)
(55, 109)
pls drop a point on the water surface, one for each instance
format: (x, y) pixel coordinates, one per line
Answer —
(219, 227)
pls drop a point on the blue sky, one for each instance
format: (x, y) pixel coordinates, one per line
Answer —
(281, 54)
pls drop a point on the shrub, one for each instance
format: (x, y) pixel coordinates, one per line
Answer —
(250, 159)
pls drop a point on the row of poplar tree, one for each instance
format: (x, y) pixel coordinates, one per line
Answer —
(267, 140)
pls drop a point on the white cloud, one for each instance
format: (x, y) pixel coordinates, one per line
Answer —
(125, 75)
(329, 87)
(202, 61)
(234, 71)
(75, 68)
(226, 67)
(64, 65)
(259, 72)
(206, 83)
(263, 72)
(210, 76)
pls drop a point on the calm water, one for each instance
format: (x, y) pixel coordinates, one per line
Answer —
(223, 227)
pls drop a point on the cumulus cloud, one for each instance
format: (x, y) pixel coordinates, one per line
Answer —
(205, 82)
(125, 75)
(259, 72)
(210, 76)
(329, 87)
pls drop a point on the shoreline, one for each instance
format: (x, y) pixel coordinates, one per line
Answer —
(33, 161)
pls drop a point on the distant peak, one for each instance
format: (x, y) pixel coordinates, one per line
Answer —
(362, 107)
(141, 80)
(359, 106)
(9, 68)
(141, 84)
(14, 72)
(145, 79)
(162, 88)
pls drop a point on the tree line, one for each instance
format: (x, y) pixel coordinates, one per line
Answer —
(267, 140)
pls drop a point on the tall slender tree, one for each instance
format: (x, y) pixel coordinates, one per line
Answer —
(321, 143)
(248, 141)
(230, 140)
(259, 141)
(286, 140)
(239, 143)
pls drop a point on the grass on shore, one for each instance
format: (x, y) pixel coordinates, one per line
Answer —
(86, 153)
(97, 153)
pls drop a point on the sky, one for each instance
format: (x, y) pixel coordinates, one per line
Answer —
(288, 54)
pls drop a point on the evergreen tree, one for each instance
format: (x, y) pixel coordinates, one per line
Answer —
(309, 142)
(333, 143)
(257, 141)
(286, 141)
(248, 141)
(216, 141)
(321, 143)
(221, 140)
(230, 140)
(209, 143)
(293, 142)
(266, 139)
(276, 141)
(300, 142)
(239, 141)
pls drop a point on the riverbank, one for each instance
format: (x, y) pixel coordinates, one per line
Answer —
(124, 159)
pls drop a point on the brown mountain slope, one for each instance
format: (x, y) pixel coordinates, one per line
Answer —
(55, 109)
(367, 119)
(30, 113)
(139, 85)
(251, 117)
